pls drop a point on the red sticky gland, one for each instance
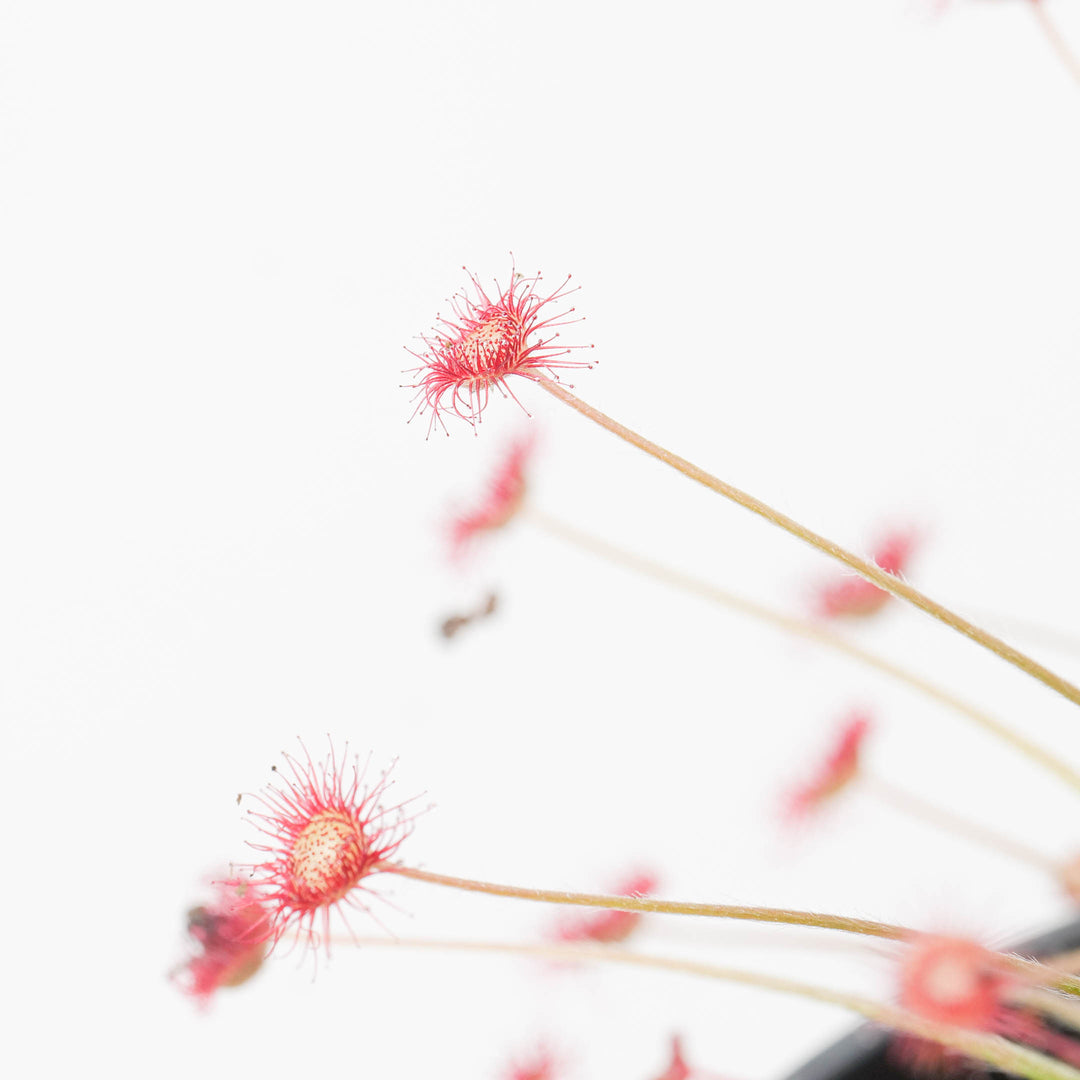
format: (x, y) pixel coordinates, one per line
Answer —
(951, 980)
(541, 1065)
(503, 498)
(231, 936)
(486, 342)
(836, 772)
(677, 1068)
(855, 597)
(609, 927)
(329, 833)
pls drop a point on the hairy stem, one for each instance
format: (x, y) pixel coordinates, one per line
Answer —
(651, 905)
(992, 1050)
(811, 631)
(873, 573)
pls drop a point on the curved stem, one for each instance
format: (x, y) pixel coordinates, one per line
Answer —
(1054, 37)
(810, 631)
(786, 916)
(873, 573)
(993, 1050)
(1050, 637)
(911, 804)
(651, 905)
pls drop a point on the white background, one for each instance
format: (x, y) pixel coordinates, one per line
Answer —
(828, 250)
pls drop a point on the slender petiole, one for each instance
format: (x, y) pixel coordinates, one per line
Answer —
(991, 1049)
(804, 628)
(873, 573)
(651, 905)
(908, 803)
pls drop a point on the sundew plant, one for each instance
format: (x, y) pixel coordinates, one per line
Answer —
(540, 540)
